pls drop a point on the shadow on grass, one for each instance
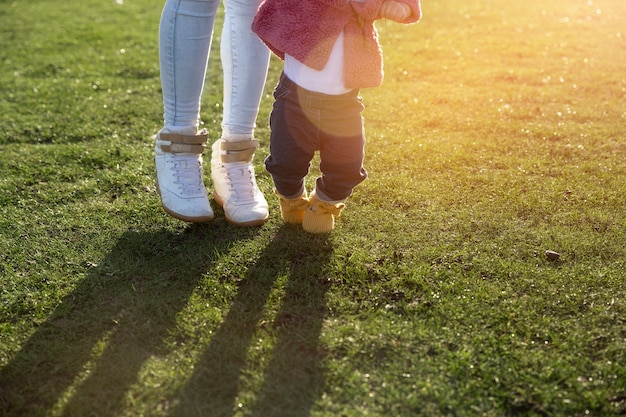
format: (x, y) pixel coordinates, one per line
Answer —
(91, 349)
(293, 379)
(87, 355)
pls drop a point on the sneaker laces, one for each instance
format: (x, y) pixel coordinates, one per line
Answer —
(241, 181)
(188, 172)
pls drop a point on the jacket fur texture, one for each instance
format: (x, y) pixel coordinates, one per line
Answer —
(308, 29)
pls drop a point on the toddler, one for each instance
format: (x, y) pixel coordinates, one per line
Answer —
(330, 50)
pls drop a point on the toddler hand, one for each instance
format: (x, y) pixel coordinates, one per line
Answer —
(394, 10)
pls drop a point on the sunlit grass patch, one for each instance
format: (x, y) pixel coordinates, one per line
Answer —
(497, 135)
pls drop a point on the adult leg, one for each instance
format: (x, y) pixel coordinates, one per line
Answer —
(185, 34)
(245, 61)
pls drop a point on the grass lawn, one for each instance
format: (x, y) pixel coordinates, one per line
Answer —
(499, 134)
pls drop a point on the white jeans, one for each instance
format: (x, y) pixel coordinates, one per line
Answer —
(185, 35)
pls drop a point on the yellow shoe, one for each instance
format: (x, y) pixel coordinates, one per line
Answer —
(292, 209)
(320, 217)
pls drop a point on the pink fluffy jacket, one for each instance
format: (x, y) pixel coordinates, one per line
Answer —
(307, 30)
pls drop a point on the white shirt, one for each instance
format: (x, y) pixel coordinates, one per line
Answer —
(327, 81)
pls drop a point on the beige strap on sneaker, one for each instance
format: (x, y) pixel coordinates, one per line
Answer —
(242, 151)
(184, 143)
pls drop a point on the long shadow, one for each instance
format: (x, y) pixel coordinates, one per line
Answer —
(293, 379)
(95, 343)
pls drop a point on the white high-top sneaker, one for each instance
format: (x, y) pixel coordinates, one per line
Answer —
(234, 183)
(178, 158)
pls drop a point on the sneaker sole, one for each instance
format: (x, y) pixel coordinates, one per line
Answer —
(251, 223)
(204, 219)
(188, 219)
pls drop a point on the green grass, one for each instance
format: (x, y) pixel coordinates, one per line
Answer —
(499, 133)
